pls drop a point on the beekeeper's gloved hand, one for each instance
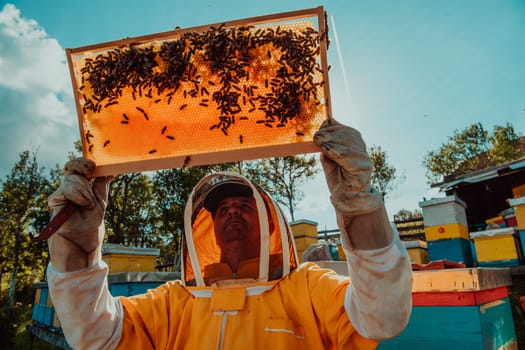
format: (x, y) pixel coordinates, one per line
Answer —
(77, 243)
(348, 168)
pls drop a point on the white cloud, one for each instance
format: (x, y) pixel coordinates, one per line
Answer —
(35, 91)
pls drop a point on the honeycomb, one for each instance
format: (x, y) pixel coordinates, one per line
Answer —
(224, 93)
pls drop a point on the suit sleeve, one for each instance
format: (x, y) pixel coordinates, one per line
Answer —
(89, 316)
(378, 300)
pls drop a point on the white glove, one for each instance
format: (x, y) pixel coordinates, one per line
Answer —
(77, 242)
(347, 169)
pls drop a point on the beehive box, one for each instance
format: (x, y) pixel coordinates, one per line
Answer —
(446, 231)
(43, 311)
(129, 259)
(519, 210)
(244, 89)
(417, 251)
(519, 191)
(496, 221)
(497, 247)
(521, 242)
(134, 283)
(443, 211)
(305, 234)
(455, 250)
(459, 309)
(485, 326)
(510, 217)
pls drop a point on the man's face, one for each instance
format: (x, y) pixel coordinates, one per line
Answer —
(236, 220)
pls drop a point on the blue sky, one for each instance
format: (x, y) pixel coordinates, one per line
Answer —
(411, 73)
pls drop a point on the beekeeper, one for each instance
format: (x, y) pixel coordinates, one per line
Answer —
(241, 285)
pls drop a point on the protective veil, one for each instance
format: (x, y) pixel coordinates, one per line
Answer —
(201, 253)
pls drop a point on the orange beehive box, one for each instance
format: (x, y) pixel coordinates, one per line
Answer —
(244, 89)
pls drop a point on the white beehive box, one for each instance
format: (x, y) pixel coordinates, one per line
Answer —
(442, 211)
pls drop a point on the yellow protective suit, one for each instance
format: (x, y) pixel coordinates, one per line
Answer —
(303, 310)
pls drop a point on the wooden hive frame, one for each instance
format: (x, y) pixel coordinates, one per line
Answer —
(118, 112)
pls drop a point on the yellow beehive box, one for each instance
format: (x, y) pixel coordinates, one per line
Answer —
(497, 220)
(304, 228)
(129, 259)
(460, 280)
(498, 245)
(56, 321)
(305, 234)
(38, 292)
(417, 251)
(446, 231)
(519, 191)
(302, 243)
(341, 251)
(519, 210)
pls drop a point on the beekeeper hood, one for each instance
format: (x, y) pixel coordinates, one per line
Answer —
(201, 253)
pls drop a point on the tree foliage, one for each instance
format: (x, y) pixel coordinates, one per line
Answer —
(471, 149)
(282, 177)
(130, 218)
(384, 177)
(22, 203)
(406, 215)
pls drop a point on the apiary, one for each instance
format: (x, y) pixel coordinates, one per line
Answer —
(238, 90)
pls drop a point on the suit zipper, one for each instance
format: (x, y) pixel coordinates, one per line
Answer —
(223, 327)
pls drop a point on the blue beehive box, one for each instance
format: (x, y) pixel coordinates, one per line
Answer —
(484, 322)
(454, 249)
(42, 309)
(48, 315)
(487, 326)
(132, 288)
(134, 283)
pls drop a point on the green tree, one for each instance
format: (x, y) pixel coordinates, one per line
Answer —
(505, 144)
(383, 178)
(282, 177)
(130, 216)
(22, 200)
(471, 149)
(405, 215)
